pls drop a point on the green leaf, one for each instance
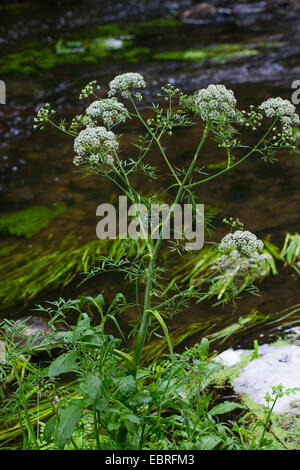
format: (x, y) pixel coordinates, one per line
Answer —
(126, 387)
(96, 391)
(203, 348)
(208, 442)
(141, 398)
(50, 429)
(225, 407)
(93, 386)
(64, 363)
(68, 419)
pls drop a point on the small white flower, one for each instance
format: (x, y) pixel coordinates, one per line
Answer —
(108, 160)
(123, 84)
(111, 111)
(284, 110)
(213, 102)
(77, 160)
(94, 140)
(241, 248)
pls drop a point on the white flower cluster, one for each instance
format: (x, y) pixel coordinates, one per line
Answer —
(88, 89)
(43, 116)
(94, 159)
(111, 111)
(284, 110)
(214, 102)
(241, 248)
(94, 144)
(124, 84)
(94, 139)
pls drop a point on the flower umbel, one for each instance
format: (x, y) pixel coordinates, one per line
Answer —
(242, 248)
(111, 111)
(94, 145)
(283, 109)
(123, 84)
(213, 102)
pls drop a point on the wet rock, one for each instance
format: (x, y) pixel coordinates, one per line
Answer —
(200, 11)
(37, 328)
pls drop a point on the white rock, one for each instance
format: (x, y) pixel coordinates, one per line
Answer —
(229, 357)
(279, 365)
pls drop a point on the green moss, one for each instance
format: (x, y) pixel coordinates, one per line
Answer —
(30, 221)
(217, 53)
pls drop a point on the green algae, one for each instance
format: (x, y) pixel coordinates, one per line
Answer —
(30, 221)
(217, 53)
(25, 275)
(232, 334)
(112, 40)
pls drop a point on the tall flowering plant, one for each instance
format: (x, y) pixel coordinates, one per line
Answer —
(214, 109)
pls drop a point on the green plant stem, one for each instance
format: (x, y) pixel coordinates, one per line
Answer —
(157, 140)
(147, 301)
(96, 426)
(26, 414)
(268, 420)
(255, 149)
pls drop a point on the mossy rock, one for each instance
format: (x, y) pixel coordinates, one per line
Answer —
(30, 221)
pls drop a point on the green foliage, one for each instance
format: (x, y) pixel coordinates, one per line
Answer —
(291, 251)
(30, 221)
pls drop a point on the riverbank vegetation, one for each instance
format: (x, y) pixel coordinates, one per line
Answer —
(90, 383)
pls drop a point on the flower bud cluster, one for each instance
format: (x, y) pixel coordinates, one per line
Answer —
(89, 89)
(43, 116)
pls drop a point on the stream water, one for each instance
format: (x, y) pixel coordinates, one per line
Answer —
(36, 168)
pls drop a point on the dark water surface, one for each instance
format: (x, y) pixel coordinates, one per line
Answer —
(36, 168)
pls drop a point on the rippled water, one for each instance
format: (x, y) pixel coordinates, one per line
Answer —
(36, 168)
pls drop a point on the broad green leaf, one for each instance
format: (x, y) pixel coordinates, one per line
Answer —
(126, 387)
(225, 407)
(208, 442)
(141, 398)
(68, 419)
(64, 363)
(93, 386)
(49, 430)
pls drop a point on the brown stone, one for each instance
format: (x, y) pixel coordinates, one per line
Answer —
(201, 10)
